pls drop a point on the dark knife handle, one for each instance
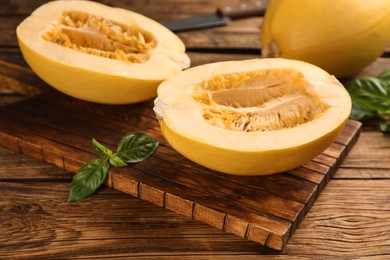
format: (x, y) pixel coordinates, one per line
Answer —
(244, 10)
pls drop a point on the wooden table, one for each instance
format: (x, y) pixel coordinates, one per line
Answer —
(349, 219)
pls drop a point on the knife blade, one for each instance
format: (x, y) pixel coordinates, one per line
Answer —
(222, 16)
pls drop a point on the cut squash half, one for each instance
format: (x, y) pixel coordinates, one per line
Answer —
(252, 117)
(99, 53)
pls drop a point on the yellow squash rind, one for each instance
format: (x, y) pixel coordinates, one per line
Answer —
(341, 37)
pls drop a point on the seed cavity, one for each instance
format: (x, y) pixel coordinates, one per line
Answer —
(101, 37)
(266, 100)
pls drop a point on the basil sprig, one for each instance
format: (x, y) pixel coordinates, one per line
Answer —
(133, 147)
(371, 98)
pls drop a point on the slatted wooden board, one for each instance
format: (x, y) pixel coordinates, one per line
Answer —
(58, 129)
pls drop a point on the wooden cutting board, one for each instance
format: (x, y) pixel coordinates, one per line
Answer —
(58, 129)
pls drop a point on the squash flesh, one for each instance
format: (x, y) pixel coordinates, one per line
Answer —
(98, 36)
(247, 107)
(298, 122)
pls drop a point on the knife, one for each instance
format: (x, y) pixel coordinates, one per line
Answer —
(221, 16)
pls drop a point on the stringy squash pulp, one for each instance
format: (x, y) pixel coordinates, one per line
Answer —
(252, 117)
(99, 53)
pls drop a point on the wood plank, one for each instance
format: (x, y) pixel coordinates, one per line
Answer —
(166, 8)
(372, 142)
(350, 220)
(40, 216)
(363, 173)
(267, 209)
(239, 33)
(15, 165)
(346, 214)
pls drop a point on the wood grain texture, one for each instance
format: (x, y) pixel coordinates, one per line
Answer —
(41, 224)
(358, 215)
(267, 209)
(349, 220)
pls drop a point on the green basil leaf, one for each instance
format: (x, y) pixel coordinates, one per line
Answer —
(88, 179)
(385, 75)
(371, 92)
(100, 149)
(135, 147)
(385, 126)
(361, 112)
(116, 161)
